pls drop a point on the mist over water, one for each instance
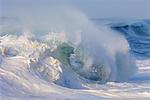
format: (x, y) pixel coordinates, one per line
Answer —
(101, 46)
(50, 46)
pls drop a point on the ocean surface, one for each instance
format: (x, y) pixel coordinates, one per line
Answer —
(83, 60)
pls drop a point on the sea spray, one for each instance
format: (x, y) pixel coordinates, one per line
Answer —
(100, 50)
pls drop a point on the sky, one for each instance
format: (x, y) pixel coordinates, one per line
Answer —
(136, 9)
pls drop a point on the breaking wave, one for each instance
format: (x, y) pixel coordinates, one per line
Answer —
(70, 52)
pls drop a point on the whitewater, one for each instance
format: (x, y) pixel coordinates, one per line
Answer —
(72, 57)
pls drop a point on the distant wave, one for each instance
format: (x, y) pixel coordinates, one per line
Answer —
(138, 34)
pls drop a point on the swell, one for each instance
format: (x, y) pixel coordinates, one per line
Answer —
(138, 34)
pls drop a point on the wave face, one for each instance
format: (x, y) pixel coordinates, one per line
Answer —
(29, 61)
(37, 58)
(138, 34)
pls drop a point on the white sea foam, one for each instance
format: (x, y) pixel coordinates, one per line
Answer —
(61, 47)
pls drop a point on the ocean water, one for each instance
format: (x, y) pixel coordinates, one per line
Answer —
(137, 33)
(57, 52)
